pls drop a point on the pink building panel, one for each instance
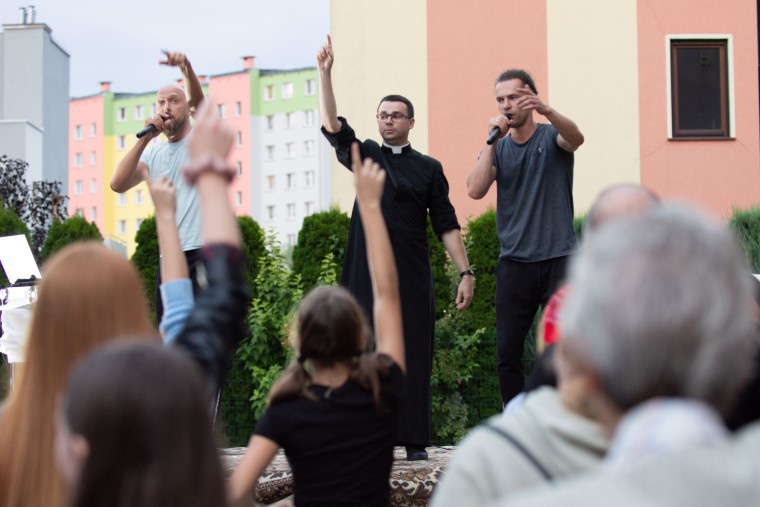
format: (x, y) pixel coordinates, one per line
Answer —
(86, 158)
(232, 94)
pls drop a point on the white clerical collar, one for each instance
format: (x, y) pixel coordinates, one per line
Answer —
(395, 149)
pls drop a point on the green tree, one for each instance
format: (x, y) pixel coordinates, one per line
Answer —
(70, 230)
(321, 233)
(746, 226)
(146, 258)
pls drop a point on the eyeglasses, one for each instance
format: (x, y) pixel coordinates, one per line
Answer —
(393, 117)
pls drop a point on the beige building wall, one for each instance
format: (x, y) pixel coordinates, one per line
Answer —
(380, 49)
(593, 79)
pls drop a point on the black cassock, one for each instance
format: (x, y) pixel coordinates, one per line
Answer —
(414, 186)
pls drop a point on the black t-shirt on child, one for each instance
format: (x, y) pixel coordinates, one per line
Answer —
(339, 446)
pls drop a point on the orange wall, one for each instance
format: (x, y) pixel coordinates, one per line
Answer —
(469, 44)
(717, 175)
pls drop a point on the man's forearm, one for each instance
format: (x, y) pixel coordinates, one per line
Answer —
(482, 175)
(566, 128)
(454, 245)
(327, 106)
(127, 175)
(192, 87)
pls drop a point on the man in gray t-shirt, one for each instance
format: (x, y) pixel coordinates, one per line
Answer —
(532, 165)
(144, 163)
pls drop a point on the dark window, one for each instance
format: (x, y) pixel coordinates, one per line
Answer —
(699, 76)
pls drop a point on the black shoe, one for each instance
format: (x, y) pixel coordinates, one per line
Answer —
(416, 453)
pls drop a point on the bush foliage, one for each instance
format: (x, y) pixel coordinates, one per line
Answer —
(322, 233)
(63, 233)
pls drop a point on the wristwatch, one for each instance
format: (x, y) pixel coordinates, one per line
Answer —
(466, 272)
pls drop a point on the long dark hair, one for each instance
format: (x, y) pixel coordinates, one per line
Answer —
(330, 329)
(143, 409)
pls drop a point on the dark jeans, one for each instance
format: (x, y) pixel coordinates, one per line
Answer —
(521, 287)
(193, 257)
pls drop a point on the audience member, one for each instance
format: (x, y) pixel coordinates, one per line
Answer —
(658, 324)
(334, 410)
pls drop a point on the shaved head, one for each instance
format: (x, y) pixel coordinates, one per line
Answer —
(618, 201)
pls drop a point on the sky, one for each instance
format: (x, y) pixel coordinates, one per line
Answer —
(122, 41)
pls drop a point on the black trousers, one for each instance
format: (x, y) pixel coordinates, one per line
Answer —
(521, 288)
(192, 257)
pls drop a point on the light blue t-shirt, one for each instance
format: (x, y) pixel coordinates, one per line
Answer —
(168, 159)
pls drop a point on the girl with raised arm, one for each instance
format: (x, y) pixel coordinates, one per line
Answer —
(334, 410)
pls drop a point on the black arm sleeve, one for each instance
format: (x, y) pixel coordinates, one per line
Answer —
(217, 323)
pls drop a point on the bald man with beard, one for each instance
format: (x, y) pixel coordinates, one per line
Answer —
(146, 161)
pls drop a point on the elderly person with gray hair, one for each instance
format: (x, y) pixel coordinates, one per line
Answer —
(657, 334)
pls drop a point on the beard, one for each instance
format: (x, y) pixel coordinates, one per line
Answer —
(176, 126)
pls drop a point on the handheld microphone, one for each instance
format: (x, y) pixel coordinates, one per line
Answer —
(147, 130)
(495, 132)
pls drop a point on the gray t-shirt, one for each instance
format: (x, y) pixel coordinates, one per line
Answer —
(168, 159)
(534, 210)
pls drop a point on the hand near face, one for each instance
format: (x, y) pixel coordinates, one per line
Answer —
(528, 100)
(325, 56)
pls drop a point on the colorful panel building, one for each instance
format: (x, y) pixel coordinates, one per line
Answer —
(278, 151)
(622, 70)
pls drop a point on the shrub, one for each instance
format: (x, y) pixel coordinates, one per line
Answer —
(10, 225)
(253, 248)
(62, 233)
(146, 259)
(321, 233)
(746, 225)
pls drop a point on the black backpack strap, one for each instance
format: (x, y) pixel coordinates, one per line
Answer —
(523, 450)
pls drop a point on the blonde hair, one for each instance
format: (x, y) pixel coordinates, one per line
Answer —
(88, 296)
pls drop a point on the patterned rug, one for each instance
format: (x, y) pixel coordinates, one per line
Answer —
(412, 482)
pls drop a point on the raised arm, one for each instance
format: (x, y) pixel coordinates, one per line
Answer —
(193, 90)
(389, 334)
(569, 135)
(327, 107)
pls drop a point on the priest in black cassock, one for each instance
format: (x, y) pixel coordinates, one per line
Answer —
(415, 186)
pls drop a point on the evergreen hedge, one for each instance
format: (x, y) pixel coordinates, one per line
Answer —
(73, 229)
(746, 225)
(321, 233)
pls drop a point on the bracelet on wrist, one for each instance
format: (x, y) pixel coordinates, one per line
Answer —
(466, 272)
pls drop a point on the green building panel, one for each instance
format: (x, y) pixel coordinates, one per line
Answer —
(268, 90)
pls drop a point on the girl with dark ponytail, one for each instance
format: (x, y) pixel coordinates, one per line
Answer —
(334, 410)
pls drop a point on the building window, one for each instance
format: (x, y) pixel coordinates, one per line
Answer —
(121, 200)
(239, 138)
(122, 227)
(93, 186)
(291, 210)
(269, 92)
(270, 152)
(290, 150)
(699, 90)
(308, 118)
(138, 223)
(93, 129)
(270, 212)
(139, 112)
(78, 187)
(291, 239)
(77, 132)
(309, 177)
(79, 212)
(290, 178)
(286, 92)
(238, 199)
(289, 120)
(311, 87)
(93, 158)
(139, 197)
(238, 108)
(308, 147)
(93, 214)
(121, 142)
(271, 181)
(308, 208)
(121, 114)
(153, 109)
(270, 122)
(78, 160)
(222, 109)
(239, 166)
